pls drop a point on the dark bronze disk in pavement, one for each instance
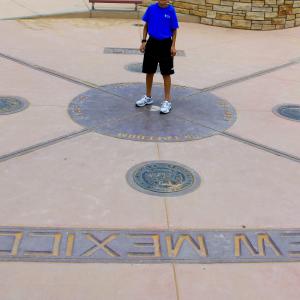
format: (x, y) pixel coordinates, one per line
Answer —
(288, 111)
(163, 178)
(137, 67)
(10, 105)
(111, 110)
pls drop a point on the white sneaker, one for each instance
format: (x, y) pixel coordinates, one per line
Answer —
(144, 101)
(166, 106)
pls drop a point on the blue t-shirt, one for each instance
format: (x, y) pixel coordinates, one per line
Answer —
(162, 21)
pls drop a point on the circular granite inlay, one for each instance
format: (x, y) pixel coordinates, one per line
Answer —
(111, 110)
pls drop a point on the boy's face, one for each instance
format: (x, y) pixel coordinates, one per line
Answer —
(163, 3)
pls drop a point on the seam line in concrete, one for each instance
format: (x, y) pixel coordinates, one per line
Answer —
(168, 225)
(158, 152)
(164, 199)
(39, 146)
(176, 281)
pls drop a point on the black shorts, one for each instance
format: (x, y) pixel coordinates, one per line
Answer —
(158, 52)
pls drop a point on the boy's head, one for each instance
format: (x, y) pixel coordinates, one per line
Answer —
(163, 3)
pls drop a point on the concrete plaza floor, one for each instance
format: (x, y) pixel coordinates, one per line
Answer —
(250, 178)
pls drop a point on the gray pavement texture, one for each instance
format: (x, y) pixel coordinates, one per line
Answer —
(63, 186)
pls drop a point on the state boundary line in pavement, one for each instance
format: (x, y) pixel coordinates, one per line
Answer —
(57, 74)
(261, 146)
(250, 76)
(48, 71)
(248, 142)
(53, 141)
(43, 144)
(92, 85)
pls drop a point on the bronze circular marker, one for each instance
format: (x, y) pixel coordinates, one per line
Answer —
(163, 178)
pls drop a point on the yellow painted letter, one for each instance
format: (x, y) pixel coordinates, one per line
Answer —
(17, 239)
(173, 250)
(155, 243)
(55, 247)
(263, 240)
(101, 245)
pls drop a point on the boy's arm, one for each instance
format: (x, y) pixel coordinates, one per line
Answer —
(173, 48)
(145, 32)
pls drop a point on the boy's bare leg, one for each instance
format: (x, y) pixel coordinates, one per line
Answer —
(149, 82)
(167, 86)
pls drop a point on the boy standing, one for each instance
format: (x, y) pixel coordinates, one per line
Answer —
(161, 26)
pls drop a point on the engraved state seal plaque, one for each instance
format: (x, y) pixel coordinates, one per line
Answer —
(288, 111)
(10, 105)
(163, 178)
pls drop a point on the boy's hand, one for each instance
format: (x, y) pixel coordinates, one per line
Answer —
(142, 47)
(173, 51)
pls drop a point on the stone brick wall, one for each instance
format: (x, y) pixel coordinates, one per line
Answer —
(243, 14)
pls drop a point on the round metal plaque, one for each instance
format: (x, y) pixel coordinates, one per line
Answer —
(111, 110)
(10, 105)
(288, 111)
(163, 178)
(137, 68)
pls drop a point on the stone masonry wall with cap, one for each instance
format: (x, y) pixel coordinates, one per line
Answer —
(243, 14)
